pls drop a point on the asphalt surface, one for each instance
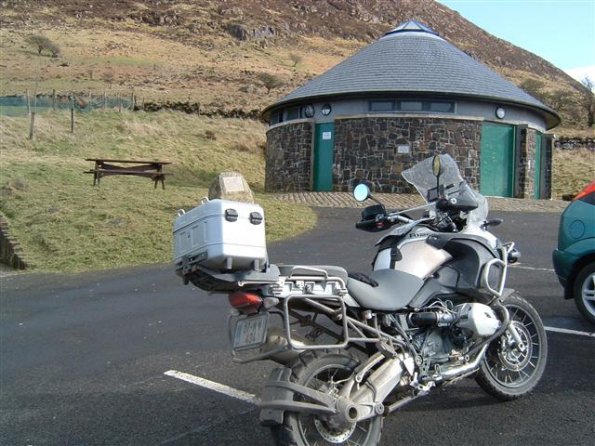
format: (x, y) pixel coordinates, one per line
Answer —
(83, 357)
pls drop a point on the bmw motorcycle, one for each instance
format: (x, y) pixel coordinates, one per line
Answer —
(354, 348)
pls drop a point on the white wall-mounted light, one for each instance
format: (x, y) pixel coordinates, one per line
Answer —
(500, 113)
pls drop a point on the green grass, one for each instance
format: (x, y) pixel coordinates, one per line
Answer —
(572, 171)
(65, 224)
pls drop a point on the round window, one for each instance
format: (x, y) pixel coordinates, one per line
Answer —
(308, 111)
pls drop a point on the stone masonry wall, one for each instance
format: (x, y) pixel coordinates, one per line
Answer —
(526, 162)
(371, 149)
(11, 253)
(289, 157)
(548, 147)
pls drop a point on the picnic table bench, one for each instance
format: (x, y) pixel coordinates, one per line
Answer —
(150, 169)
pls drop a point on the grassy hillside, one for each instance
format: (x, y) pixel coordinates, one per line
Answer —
(572, 170)
(214, 53)
(191, 52)
(66, 224)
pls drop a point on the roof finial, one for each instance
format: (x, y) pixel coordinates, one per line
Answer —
(412, 26)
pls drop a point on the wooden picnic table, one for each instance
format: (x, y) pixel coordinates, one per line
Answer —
(150, 169)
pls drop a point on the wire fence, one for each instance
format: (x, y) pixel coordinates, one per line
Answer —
(32, 104)
(25, 104)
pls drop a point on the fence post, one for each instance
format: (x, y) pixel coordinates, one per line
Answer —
(119, 103)
(28, 102)
(32, 113)
(54, 99)
(71, 113)
(31, 124)
(104, 99)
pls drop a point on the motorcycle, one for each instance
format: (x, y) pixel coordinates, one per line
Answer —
(355, 347)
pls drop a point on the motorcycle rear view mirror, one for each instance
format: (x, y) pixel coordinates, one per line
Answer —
(437, 166)
(437, 170)
(361, 192)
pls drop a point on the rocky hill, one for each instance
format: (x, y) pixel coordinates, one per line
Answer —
(215, 52)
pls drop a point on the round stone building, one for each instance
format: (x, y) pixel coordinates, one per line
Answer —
(409, 95)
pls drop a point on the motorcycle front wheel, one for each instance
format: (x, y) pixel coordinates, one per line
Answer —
(325, 372)
(509, 370)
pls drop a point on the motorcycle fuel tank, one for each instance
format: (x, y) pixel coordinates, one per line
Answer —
(414, 256)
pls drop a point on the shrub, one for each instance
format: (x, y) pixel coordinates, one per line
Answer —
(270, 81)
(43, 43)
(295, 58)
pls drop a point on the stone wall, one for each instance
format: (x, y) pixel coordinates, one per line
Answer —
(526, 162)
(577, 143)
(547, 147)
(289, 157)
(11, 253)
(378, 149)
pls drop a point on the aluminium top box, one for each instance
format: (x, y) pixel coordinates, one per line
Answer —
(221, 235)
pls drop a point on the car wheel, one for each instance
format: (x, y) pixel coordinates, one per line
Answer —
(584, 292)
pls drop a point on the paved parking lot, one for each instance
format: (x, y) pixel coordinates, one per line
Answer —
(87, 359)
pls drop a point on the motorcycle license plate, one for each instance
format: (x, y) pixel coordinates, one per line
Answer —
(250, 332)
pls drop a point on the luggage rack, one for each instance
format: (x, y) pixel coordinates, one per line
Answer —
(215, 281)
(331, 305)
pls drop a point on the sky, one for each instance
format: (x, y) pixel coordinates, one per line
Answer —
(560, 31)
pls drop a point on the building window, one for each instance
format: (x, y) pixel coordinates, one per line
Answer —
(277, 117)
(414, 106)
(441, 107)
(292, 113)
(381, 106)
(411, 106)
(307, 111)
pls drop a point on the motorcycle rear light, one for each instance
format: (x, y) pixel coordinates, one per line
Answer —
(586, 191)
(245, 302)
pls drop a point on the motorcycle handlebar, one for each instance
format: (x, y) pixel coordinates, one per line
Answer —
(381, 222)
(370, 224)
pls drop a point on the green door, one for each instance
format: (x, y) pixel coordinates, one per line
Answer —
(323, 157)
(538, 164)
(497, 160)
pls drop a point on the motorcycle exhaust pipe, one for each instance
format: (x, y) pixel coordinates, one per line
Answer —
(369, 397)
(454, 372)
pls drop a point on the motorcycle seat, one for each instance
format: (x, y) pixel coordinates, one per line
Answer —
(395, 290)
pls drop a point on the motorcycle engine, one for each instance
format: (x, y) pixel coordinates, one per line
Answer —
(451, 331)
(478, 318)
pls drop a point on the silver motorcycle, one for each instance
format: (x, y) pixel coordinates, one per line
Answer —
(355, 347)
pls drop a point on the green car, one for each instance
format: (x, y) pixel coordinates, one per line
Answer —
(574, 260)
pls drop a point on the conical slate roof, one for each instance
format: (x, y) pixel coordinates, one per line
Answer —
(412, 58)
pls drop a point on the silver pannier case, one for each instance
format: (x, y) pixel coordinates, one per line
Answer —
(220, 235)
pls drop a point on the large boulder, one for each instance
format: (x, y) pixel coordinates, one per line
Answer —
(231, 186)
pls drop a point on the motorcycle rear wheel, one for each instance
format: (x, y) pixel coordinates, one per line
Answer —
(507, 372)
(324, 371)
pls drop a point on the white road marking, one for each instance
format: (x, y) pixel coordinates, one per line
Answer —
(221, 388)
(572, 332)
(531, 268)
